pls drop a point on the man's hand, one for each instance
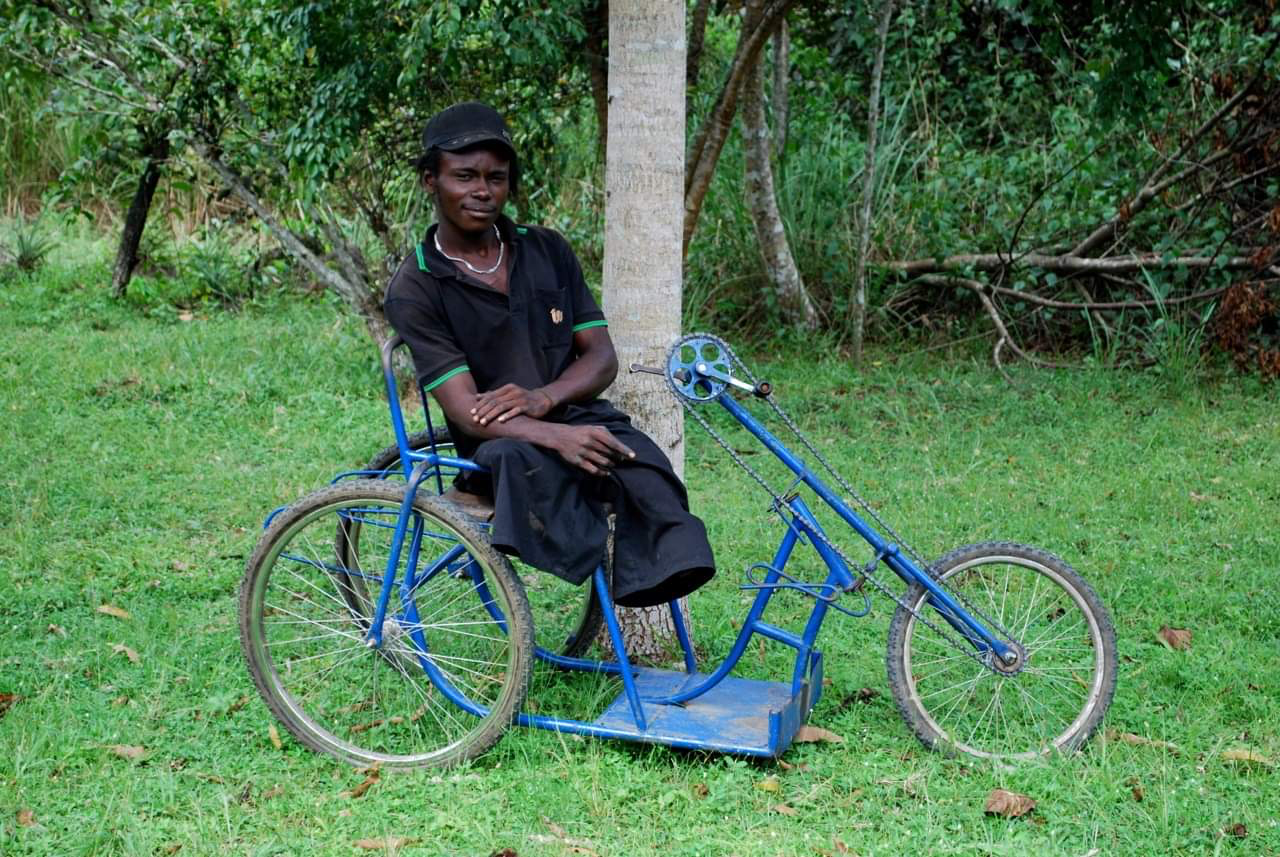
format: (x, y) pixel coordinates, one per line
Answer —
(510, 400)
(591, 448)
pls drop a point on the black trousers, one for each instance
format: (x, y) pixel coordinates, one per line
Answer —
(551, 514)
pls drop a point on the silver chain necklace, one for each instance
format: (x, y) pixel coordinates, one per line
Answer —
(484, 272)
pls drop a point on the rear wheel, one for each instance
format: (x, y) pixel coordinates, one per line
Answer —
(457, 642)
(1053, 699)
(566, 619)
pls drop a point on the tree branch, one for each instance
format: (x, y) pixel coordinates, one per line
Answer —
(1148, 190)
(1069, 263)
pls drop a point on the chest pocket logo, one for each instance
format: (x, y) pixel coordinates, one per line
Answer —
(556, 315)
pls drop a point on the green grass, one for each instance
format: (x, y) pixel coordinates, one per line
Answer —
(140, 455)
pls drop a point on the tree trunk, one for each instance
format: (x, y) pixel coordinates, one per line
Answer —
(135, 220)
(597, 21)
(711, 136)
(858, 315)
(643, 263)
(779, 264)
(697, 37)
(781, 99)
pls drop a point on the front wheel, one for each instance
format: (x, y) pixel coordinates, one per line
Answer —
(1052, 700)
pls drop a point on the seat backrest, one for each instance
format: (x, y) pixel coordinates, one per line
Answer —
(393, 398)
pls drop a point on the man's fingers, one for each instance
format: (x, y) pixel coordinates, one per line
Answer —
(616, 447)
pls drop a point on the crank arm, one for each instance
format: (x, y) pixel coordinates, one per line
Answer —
(680, 375)
(762, 390)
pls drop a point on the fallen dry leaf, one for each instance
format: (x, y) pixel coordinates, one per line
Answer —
(1138, 793)
(1238, 830)
(56, 629)
(814, 734)
(1248, 757)
(769, 784)
(112, 610)
(783, 809)
(368, 783)
(1198, 498)
(384, 843)
(841, 848)
(128, 751)
(122, 649)
(1175, 638)
(274, 735)
(26, 818)
(505, 852)
(1139, 741)
(274, 791)
(7, 701)
(1008, 804)
(171, 848)
(700, 790)
(179, 565)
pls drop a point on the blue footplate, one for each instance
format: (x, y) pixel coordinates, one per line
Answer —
(754, 718)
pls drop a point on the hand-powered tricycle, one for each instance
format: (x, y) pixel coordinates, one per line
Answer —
(381, 627)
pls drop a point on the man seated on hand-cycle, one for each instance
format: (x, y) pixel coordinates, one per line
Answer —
(506, 336)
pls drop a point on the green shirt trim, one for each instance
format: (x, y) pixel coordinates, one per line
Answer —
(445, 377)
(422, 263)
(598, 323)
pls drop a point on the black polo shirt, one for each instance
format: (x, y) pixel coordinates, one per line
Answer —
(454, 323)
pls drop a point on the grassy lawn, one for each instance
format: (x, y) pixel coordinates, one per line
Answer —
(141, 452)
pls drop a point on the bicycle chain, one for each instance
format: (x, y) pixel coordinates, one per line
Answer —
(780, 502)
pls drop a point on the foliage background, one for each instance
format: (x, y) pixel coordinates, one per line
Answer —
(1006, 127)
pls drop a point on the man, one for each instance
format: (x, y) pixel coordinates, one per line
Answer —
(508, 339)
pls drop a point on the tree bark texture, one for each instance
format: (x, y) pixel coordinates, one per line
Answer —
(707, 145)
(858, 313)
(135, 219)
(779, 264)
(781, 94)
(642, 256)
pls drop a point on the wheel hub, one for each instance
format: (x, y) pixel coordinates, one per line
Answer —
(1013, 663)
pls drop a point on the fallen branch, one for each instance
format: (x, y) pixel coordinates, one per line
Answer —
(1070, 263)
(982, 290)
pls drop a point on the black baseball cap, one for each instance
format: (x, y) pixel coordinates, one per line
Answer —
(465, 125)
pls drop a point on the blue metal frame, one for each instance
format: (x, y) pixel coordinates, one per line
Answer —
(650, 696)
